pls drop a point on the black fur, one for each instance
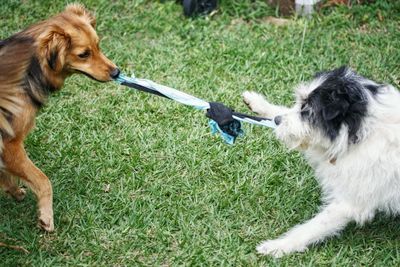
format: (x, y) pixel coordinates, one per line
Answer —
(35, 83)
(15, 39)
(53, 60)
(340, 99)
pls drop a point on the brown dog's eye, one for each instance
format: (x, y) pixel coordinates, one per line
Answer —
(85, 54)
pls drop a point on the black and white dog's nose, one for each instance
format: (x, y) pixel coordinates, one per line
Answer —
(278, 120)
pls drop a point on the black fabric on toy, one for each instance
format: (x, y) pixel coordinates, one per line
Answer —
(143, 88)
(222, 115)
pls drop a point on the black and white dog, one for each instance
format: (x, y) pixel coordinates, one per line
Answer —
(348, 128)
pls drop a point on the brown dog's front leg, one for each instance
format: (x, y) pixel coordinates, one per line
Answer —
(17, 163)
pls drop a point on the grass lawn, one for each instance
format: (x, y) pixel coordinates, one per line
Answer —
(139, 181)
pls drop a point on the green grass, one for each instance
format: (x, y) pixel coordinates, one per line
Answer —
(179, 196)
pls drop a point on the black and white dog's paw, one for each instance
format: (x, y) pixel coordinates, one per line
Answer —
(255, 102)
(279, 247)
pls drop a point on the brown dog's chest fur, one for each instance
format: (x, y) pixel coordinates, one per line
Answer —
(24, 121)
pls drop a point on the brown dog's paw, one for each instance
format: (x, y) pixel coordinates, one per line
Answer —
(17, 193)
(46, 223)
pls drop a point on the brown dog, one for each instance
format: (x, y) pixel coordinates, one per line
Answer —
(34, 63)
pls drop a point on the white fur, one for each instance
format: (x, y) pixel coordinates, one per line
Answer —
(357, 180)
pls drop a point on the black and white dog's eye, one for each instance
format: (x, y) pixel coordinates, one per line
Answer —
(305, 113)
(305, 110)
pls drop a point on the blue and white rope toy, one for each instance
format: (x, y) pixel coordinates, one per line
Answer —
(223, 120)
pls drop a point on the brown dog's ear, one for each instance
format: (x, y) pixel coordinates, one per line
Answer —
(80, 10)
(53, 46)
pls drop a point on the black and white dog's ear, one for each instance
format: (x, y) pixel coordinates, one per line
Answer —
(335, 110)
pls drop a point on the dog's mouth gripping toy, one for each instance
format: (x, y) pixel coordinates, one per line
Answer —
(223, 119)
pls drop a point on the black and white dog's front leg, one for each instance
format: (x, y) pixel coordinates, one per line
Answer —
(333, 218)
(260, 105)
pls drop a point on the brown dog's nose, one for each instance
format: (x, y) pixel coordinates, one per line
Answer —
(115, 73)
